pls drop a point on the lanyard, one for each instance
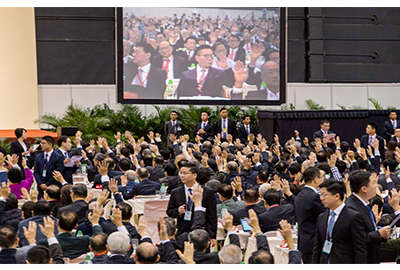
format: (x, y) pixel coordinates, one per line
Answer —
(140, 79)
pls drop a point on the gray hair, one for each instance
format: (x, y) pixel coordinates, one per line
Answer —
(231, 254)
(118, 243)
(131, 175)
(263, 188)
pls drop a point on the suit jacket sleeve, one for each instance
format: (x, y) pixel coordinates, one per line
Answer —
(262, 242)
(127, 194)
(386, 130)
(199, 220)
(359, 241)
(317, 243)
(211, 214)
(56, 253)
(234, 239)
(295, 257)
(97, 229)
(36, 172)
(170, 255)
(254, 78)
(172, 209)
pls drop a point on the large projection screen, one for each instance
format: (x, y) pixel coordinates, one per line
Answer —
(202, 56)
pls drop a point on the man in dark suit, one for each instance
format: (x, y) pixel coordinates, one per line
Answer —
(368, 139)
(181, 206)
(205, 80)
(157, 170)
(393, 180)
(145, 187)
(204, 129)
(64, 145)
(171, 180)
(363, 184)
(98, 245)
(41, 210)
(8, 245)
(235, 52)
(118, 244)
(225, 126)
(325, 126)
(78, 205)
(390, 126)
(74, 246)
(341, 226)
(173, 65)
(45, 163)
(396, 135)
(308, 207)
(267, 82)
(246, 129)
(144, 80)
(110, 171)
(269, 220)
(173, 127)
(251, 199)
(188, 52)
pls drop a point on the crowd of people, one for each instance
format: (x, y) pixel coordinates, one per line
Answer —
(342, 203)
(212, 57)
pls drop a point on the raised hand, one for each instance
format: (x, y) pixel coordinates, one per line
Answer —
(241, 74)
(188, 253)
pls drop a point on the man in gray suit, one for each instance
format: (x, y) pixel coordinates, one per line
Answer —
(225, 193)
(173, 127)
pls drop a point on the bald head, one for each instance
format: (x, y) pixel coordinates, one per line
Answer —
(146, 253)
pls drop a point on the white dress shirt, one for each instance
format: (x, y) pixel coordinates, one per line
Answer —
(143, 80)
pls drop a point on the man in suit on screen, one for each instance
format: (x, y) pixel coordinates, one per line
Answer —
(144, 80)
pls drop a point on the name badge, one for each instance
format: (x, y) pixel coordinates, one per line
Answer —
(327, 247)
(188, 216)
(179, 129)
(44, 173)
(248, 138)
(224, 130)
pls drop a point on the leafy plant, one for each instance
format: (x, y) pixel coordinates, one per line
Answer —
(376, 104)
(312, 105)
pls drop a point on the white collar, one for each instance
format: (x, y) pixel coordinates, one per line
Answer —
(364, 202)
(338, 209)
(146, 68)
(199, 69)
(313, 188)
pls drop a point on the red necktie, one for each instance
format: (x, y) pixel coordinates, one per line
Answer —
(202, 79)
(166, 65)
(231, 55)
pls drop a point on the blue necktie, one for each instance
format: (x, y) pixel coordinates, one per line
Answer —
(370, 141)
(66, 155)
(223, 127)
(248, 130)
(372, 215)
(204, 125)
(331, 223)
(190, 202)
(45, 160)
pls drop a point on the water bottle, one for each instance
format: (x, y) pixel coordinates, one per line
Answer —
(162, 191)
(87, 260)
(83, 169)
(170, 91)
(137, 180)
(223, 211)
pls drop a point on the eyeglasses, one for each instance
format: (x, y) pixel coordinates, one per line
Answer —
(208, 56)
